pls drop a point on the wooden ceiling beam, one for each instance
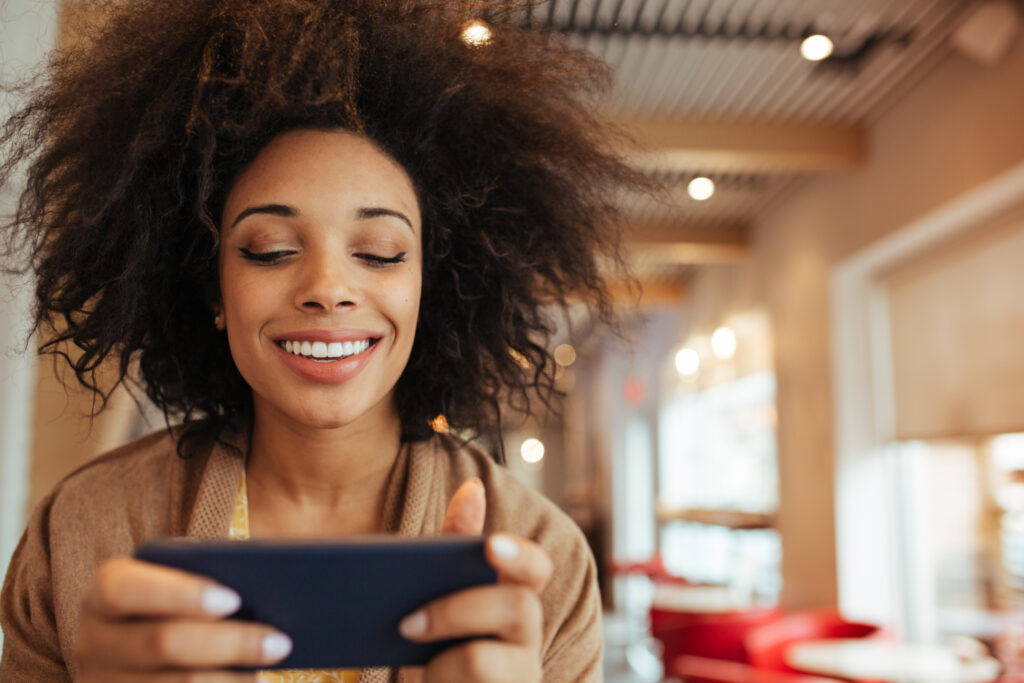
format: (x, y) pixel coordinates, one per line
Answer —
(689, 254)
(711, 146)
(689, 231)
(687, 243)
(648, 293)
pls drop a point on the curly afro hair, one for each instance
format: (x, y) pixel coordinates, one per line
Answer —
(132, 142)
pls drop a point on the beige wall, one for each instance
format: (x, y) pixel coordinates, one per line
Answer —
(958, 127)
(65, 435)
(956, 317)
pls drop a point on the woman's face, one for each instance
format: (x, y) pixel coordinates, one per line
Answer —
(320, 267)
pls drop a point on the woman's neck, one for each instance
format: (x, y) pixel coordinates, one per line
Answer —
(305, 481)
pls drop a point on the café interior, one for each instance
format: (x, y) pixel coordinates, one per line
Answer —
(801, 458)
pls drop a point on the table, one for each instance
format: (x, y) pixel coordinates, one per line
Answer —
(866, 658)
(703, 599)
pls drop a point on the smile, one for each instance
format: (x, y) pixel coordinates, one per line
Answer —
(325, 351)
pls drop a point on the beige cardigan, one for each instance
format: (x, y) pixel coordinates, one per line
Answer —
(144, 490)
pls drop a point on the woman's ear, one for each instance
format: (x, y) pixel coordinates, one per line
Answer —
(218, 318)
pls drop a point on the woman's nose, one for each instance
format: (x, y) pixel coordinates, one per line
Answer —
(326, 285)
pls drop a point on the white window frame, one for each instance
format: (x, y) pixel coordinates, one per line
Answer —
(881, 547)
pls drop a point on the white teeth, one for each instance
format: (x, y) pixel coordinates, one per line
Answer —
(322, 350)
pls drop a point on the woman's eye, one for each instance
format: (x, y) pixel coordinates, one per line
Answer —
(264, 256)
(375, 260)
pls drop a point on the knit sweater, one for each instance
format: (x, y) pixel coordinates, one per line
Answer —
(143, 490)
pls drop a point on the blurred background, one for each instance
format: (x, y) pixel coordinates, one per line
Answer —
(813, 426)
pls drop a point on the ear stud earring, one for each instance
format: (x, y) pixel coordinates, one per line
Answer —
(216, 321)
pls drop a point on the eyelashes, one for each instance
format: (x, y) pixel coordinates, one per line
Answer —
(272, 257)
(383, 260)
(264, 256)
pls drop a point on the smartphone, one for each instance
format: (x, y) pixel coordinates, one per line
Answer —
(340, 601)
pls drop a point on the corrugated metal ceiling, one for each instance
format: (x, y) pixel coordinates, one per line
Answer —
(738, 61)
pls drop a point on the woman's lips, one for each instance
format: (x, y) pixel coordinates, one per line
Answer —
(331, 358)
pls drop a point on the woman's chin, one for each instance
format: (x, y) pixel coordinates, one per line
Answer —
(315, 413)
(322, 421)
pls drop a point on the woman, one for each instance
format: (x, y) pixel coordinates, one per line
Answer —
(306, 228)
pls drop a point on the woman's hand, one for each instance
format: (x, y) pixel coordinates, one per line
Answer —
(510, 611)
(143, 622)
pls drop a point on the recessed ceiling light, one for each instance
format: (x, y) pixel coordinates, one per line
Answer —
(816, 48)
(700, 188)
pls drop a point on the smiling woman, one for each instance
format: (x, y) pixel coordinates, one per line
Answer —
(324, 250)
(307, 229)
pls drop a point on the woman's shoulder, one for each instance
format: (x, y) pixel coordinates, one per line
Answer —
(136, 456)
(101, 510)
(146, 457)
(128, 485)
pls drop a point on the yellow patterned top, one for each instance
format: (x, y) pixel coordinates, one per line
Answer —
(240, 531)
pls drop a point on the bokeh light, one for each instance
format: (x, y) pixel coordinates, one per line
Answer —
(532, 450)
(701, 188)
(687, 362)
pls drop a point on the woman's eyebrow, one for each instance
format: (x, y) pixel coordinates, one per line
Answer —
(375, 211)
(272, 209)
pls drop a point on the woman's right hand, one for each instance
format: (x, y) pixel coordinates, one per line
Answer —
(144, 622)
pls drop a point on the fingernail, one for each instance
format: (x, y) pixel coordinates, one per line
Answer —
(477, 480)
(276, 646)
(413, 625)
(220, 600)
(505, 547)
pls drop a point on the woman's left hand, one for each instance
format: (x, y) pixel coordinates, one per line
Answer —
(509, 612)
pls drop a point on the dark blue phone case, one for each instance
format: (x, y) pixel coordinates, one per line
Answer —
(339, 601)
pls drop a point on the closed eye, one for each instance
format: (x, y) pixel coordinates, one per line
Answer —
(375, 260)
(266, 257)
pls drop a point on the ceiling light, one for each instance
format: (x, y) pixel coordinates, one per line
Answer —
(476, 34)
(700, 188)
(723, 343)
(532, 450)
(687, 362)
(816, 48)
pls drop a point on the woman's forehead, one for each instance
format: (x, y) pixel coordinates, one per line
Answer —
(323, 170)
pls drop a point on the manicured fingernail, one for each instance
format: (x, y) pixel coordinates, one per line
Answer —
(220, 600)
(276, 646)
(414, 625)
(503, 546)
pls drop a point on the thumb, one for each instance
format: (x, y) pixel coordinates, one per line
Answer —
(466, 510)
